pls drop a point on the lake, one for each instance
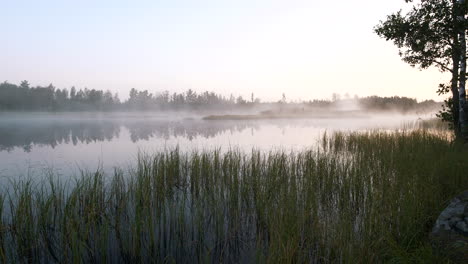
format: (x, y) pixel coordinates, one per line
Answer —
(67, 142)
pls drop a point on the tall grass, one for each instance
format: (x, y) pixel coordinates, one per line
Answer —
(356, 197)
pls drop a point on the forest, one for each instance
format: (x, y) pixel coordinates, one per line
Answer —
(24, 97)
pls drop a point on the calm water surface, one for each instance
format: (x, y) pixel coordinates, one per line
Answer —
(66, 142)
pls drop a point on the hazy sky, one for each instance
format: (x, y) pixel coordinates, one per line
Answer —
(304, 48)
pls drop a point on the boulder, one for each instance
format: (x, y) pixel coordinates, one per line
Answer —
(450, 232)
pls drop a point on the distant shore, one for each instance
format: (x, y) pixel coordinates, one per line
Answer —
(321, 115)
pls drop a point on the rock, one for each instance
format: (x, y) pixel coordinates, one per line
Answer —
(453, 221)
(450, 232)
(463, 227)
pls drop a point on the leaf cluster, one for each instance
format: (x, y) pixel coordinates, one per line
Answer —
(446, 114)
(424, 35)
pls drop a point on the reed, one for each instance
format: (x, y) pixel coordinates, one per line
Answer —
(354, 198)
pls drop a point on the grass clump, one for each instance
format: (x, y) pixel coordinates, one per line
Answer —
(356, 197)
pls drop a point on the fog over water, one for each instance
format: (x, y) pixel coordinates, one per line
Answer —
(67, 142)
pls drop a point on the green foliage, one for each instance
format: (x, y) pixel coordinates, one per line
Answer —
(359, 197)
(446, 114)
(423, 35)
(428, 35)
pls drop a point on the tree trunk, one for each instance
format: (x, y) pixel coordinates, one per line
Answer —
(455, 69)
(455, 97)
(462, 75)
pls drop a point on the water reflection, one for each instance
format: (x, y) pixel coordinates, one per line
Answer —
(27, 131)
(26, 134)
(68, 142)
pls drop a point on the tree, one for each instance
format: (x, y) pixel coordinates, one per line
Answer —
(191, 97)
(108, 100)
(133, 94)
(240, 100)
(72, 93)
(433, 34)
(24, 84)
(461, 27)
(336, 97)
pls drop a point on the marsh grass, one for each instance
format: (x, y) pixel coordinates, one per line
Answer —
(356, 197)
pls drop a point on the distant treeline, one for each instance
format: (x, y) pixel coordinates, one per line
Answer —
(49, 98)
(396, 103)
(25, 97)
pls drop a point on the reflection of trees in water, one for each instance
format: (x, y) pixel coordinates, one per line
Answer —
(26, 135)
(186, 129)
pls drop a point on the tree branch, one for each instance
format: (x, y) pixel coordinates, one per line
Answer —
(440, 64)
